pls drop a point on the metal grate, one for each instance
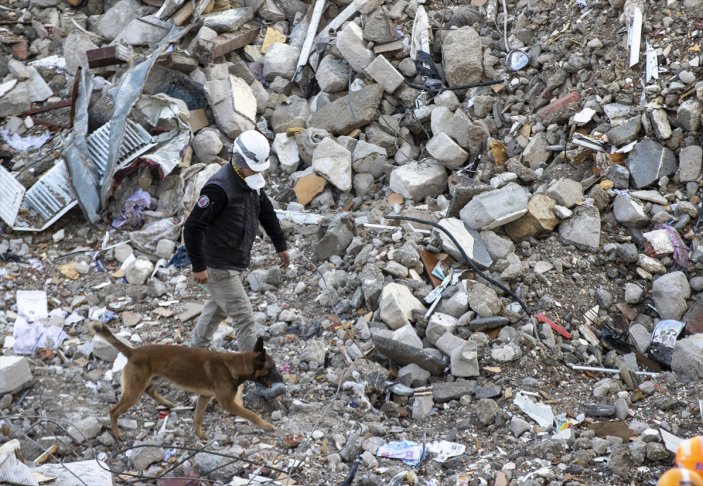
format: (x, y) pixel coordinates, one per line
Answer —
(136, 141)
(47, 200)
(11, 194)
(52, 195)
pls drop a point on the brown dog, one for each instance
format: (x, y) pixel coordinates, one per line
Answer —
(207, 373)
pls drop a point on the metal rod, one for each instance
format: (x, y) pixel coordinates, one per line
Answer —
(608, 370)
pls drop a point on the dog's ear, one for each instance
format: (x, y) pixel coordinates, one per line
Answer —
(259, 346)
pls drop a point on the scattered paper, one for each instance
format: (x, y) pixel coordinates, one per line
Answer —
(32, 304)
(411, 453)
(444, 450)
(539, 412)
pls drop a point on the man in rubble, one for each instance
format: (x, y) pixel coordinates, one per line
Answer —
(220, 233)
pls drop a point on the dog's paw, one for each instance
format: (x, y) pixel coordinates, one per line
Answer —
(269, 427)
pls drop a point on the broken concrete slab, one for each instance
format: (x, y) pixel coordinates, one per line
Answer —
(582, 230)
(464, 360)
(405, 355)
(418, 180)
(629, 212)
(566, 192)
(338, 118)
(690, 160)
(286, 149)
(670, 292)
(406, 335)
(85, 429)
(233, 104)
(369, 158)
(119, 16)
(438, 325)
(190, 310)
(648, 162)
(143, 31)
(492, 209)
(212, 46)
(468, 239)
(332, 75)
(15, 101)
(291, 114)
(229, 20)
(334, 240)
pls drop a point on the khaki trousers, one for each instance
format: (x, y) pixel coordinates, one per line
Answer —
(227, 298)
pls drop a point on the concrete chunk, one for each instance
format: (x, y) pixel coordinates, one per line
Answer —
(405, 355)
(112, 22)
(352, 46)
(464, 360)
(333, 162)
(385, 74)
(280, 60)
(397, 305)
(418, 180)
(228, 20)
(407, 335)
(690, 159)
(332, 75)
(14, 374)
(233, 103)
(468, 239)
(446, 151)
(566, 192)
(337, 117)
(286, 148)
(439, 325)
(462, 56)
(648, 162)
(582, 230)
(495, 208)
(629, 212)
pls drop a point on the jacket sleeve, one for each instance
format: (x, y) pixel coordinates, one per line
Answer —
(211, 202)
(269, 220)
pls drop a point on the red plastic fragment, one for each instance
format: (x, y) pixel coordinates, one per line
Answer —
(542, 318)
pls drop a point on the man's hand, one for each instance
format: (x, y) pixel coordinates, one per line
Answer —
(285, 259)
(200, 277)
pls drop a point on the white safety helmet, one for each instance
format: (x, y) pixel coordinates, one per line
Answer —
(254, 148)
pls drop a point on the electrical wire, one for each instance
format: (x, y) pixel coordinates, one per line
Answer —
(451, 88)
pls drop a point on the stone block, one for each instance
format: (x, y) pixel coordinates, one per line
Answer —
(15, 374)
(384, 74)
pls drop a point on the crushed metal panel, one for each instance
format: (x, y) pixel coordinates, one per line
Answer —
(46, 201)
(136, 141)
(11, 194)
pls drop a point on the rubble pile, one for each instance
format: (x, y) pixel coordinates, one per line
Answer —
(493, 212)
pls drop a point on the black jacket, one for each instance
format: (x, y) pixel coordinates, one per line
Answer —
(220, 231)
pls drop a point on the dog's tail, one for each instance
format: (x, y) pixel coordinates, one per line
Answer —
(104, 332)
